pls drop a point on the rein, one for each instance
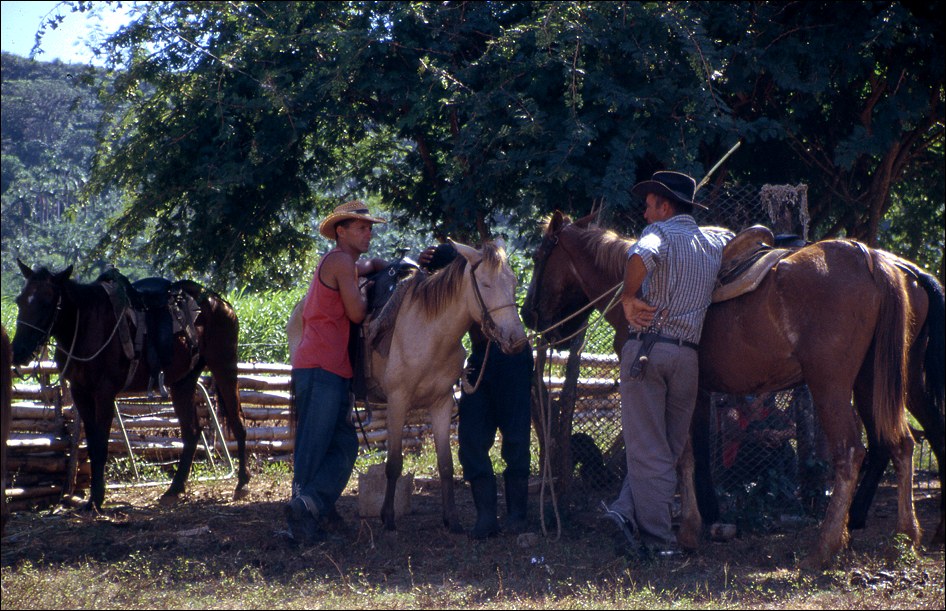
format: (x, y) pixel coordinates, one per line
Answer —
(545, 401)
(615, 291)
(490, 328)
(70, 353)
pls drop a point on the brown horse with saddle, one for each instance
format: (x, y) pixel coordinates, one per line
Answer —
(102, 350)
(836, 315)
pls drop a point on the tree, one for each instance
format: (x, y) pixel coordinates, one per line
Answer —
(49, 118)
(854, 92)
(231, 125)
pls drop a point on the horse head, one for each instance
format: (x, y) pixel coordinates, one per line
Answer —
(38, 307)
(494, 294)
(554, 290)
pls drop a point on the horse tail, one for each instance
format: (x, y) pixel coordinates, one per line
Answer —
(890, 355)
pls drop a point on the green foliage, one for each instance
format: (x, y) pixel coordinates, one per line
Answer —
(229, 129)
(50, 115)
(263, 316)
(463, 115)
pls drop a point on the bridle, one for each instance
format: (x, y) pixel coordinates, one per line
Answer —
(490, 328)
(542, 255)
(70, 353)
(45, 334)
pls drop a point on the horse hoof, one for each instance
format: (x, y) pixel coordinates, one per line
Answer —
(240, 493)
(89, 508)
(169, 500)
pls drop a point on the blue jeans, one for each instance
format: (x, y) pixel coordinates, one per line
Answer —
(325, 445)
(503, 401)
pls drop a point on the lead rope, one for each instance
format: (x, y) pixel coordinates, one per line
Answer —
(545, 404)
(463, 381)
(545, 413)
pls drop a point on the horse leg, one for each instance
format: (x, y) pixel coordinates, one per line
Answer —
(700, 427)
(228, 396)
(219, 348)
(96, 414)
(927, 412)
(933, 428)
(878, 454)
(902, 455)
(841, 429)
(440, 423)
(182, 395)
(395, 460)
(691, 525)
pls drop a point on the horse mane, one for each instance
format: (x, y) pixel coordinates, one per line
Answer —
(436, 291)
(607, 247)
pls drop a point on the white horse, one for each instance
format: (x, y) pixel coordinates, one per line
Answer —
(416, 354)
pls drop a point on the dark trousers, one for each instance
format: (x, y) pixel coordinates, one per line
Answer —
(325, 445)
(502, 402)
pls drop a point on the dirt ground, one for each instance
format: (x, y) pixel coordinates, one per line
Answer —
(755, 569)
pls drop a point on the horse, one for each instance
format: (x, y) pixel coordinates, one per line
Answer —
(418, 359)
(835, 315)
(6, 413)
(92, 323)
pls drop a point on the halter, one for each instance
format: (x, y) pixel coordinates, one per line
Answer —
(70, 353)
(46, 334)
(490, 328)
(539, 271)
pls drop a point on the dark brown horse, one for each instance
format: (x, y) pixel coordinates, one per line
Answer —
(841, 318)
(89, 324)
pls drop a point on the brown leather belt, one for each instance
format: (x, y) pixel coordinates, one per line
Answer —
(639, 335)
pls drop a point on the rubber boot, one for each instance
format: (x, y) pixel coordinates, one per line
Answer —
(517, 501)
(484, 499)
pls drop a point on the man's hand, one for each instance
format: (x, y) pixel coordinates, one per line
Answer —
(427, 256)
(638, 312)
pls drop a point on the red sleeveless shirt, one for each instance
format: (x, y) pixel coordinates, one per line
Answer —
(325, 330)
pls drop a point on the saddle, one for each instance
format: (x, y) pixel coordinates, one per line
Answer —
(748, 258)
(374, 333)
(167, 311)
(158, 310)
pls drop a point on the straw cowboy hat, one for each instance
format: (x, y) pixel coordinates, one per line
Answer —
(348, 210)
(672, 185)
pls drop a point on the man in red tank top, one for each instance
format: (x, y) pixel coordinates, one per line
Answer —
(325, 442)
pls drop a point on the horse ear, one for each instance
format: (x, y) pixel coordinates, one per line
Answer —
(558, 220)
(469, 253)
(586, 220)
(26, 271)
(63, 275)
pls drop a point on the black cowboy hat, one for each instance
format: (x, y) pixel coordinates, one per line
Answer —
(672, 185)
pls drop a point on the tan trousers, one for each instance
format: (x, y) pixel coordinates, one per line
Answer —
(655, 415)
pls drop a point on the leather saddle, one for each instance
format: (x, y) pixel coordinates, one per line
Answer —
(157, 309)
(748, 258)
(381, 286)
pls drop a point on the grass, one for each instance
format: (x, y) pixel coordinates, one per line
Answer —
(212, 552)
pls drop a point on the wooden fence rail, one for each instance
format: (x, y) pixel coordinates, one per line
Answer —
(47, 450)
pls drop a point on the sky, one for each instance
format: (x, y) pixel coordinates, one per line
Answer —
(69, 42)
